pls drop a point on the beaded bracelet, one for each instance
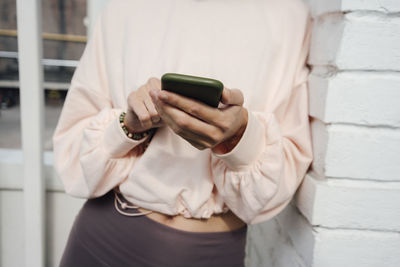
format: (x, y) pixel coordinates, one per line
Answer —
(134, 136)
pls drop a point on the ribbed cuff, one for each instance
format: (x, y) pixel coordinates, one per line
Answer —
(116, 142)
(248, 148)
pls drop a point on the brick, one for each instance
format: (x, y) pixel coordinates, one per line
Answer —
(268, 245)
(363, 98)
(349, 248)
(325, 247)
(351, 151)
(340, 203)
(356, 41)
(299, 231)
(320, 7)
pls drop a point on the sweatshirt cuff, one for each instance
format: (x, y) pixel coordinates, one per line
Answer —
(116, 142)
(248, 148)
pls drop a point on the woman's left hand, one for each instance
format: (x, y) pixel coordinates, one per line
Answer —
(219, 129)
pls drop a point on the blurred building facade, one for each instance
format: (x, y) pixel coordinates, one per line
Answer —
(64, 38)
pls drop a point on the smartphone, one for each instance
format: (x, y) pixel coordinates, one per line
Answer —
(208, 91)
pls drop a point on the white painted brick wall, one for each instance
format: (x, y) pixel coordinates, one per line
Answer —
(347, 211)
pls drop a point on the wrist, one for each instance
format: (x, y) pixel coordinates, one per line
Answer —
(227, 145)
(127, 123)
(131, 133)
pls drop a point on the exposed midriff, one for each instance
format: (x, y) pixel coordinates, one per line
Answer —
(216, 223)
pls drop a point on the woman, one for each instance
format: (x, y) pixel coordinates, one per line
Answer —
(171, 181)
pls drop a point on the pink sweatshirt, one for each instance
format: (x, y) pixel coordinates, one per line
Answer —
(257, 46)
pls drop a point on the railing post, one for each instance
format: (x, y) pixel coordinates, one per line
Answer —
(32, 125)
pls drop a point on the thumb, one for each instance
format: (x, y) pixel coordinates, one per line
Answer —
(232, 97)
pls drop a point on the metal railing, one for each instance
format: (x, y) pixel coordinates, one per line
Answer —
(45, 62)
(49, 36)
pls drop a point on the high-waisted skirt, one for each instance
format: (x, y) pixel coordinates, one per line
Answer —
(101, 236)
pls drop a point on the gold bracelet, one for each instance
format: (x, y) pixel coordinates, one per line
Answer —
(134, 136)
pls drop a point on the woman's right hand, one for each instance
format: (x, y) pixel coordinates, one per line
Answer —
(141, 114)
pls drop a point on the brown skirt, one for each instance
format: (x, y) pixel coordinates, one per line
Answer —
(101, 236)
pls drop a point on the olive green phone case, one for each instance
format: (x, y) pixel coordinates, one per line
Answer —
(206, 90)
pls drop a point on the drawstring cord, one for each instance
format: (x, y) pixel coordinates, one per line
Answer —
(125, 205)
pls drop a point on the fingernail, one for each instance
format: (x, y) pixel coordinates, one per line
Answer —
(155, 119)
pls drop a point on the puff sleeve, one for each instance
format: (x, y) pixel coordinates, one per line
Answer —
(258, 178)
(92, 154)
